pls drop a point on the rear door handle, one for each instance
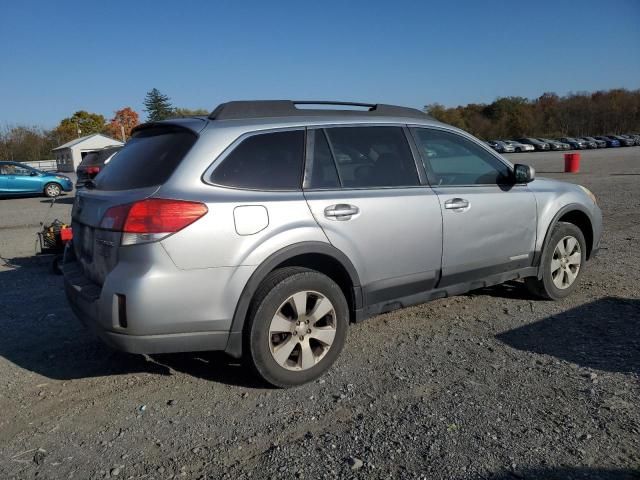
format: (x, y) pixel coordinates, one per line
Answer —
(456, 204)
(341, 211)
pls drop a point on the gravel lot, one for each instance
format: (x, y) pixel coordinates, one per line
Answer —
(493, 384)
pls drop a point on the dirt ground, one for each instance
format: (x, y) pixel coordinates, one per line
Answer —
(493, 384)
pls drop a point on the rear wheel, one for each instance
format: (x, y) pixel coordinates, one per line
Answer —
(297, 326)
(561, 263)
(52, 190)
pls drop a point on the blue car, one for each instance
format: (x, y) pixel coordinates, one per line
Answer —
(19, 179)
(611, 142)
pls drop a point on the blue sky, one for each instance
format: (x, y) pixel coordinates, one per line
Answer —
(62, 56)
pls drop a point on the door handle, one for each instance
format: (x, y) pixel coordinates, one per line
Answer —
(341, 211)
(456, 204)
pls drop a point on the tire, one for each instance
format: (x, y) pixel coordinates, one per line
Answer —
(278, 346)
(52, 190)
(560, 273)
(518, 150)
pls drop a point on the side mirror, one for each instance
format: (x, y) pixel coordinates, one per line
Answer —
(33, 174)
(523, 173)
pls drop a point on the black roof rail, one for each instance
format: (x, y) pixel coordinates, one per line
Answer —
(288, 108)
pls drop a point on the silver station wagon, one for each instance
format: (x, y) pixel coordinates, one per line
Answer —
(264, 229)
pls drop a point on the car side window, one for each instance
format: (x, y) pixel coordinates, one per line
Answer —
(451, 159)
(323, 173)
(20, 171)
(265, 161)
(364, 157)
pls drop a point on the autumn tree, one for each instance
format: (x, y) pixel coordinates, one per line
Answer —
(124, 119)
(157, 105)
(81, 123)
(576, 114)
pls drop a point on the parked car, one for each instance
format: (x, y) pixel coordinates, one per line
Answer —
(599, 143)
(635, 138)
(537, 144)
(624, 142)
(501, 147)
(519, 147)
(575, 143)
(265, 229)
(555, 144)
(19, 179)
(93, 163)
(611, 142)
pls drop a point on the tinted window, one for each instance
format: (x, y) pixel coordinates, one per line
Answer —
(452, 159)
(369, 157)
(267, 161)
(323, 173)
(98, 157)
(147, 159)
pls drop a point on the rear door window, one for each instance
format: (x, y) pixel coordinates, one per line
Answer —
(365, 157)
(264, 161)
(148, 158)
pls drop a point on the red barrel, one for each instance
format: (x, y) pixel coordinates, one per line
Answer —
(571, 162)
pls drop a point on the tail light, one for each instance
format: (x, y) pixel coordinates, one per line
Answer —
(151, 219)
(93, 170)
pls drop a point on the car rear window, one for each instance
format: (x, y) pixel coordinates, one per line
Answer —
(97, 158)
(148, 158)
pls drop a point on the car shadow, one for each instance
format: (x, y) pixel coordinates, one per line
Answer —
(564, 473)
(514, 290)
(604, 335)
(41, 335)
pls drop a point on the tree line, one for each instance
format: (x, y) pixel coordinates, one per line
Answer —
(603, 112)
(577, 114)
(29, 143)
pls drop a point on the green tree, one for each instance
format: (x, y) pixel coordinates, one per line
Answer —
(189, 112)
(157, 105)
(80, 124)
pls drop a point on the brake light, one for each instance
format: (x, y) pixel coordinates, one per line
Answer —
(157, 215)
(93, 170)
(151, 219)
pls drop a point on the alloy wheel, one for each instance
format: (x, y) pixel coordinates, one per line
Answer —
(53, 190)
(566, 261)
(302, 330)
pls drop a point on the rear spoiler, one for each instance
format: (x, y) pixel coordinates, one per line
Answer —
(194, 124)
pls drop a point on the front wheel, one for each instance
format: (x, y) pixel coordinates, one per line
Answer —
(297, 326)
(52, 190)
(561, 263)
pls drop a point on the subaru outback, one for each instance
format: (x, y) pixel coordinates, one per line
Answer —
(267, 227)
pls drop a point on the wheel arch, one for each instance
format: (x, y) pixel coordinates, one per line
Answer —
(319, 256)
(572, 213)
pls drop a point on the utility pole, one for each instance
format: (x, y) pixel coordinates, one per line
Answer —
(122, 133)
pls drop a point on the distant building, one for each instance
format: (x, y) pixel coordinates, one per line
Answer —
(69, 155)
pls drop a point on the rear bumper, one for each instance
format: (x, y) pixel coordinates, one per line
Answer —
(166, 309)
